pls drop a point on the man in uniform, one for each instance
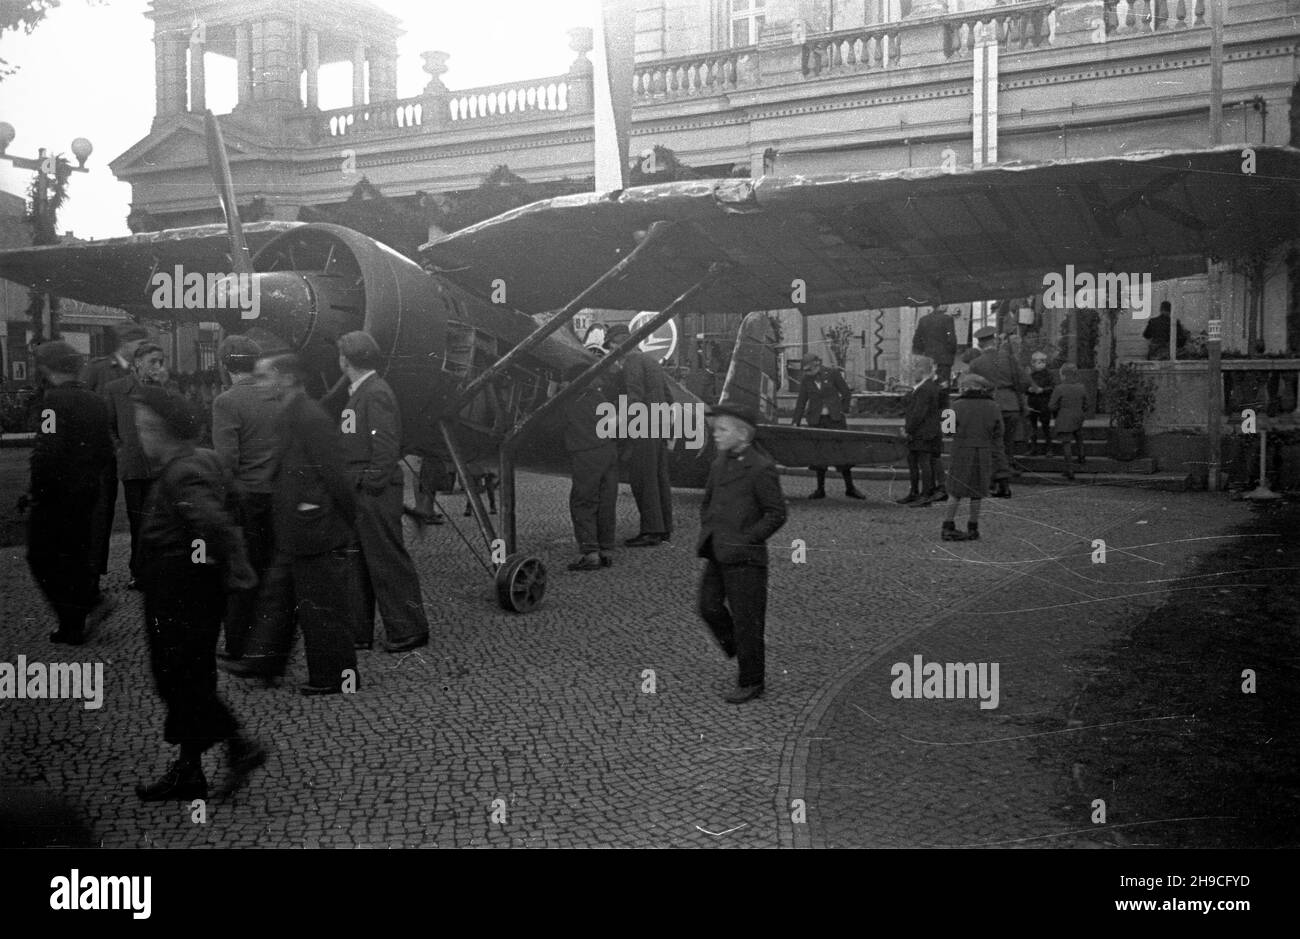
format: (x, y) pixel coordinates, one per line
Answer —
(244, 436)
(71, 446)
(96, 376)
(999, 368)
(742, 508)
(824, 397)
(371, 446)
(593, 500)
(644, 382)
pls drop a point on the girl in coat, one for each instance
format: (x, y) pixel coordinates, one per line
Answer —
(1067, 403)
(979, 434)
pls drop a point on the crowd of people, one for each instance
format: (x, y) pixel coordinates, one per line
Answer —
(291, 522)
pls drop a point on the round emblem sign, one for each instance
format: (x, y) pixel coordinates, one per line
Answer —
(660, 343)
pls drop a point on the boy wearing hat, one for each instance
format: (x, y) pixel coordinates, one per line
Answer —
(824, 397)
(978, 438)
(191, 555)
(742, 508)
(71, 446)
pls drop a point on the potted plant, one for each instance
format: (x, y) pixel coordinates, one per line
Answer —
(1129, 397)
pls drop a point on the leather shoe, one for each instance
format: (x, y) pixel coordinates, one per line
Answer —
(853, 494)
(319, 689)
(909, 498)
(742, 693)
(179, 782)
(645, 540)
(818, 494)
(588, 562)
(406, 645)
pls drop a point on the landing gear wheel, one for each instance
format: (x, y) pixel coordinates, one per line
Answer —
(521, 583)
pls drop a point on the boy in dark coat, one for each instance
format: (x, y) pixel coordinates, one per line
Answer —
(921, 428)
(192, 553)
(742, 508)
(978, 439)
(824, 400)
(1041, 384)
(593, 500)
(1067, 403)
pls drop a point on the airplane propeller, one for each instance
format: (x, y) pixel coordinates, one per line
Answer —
(240, 260)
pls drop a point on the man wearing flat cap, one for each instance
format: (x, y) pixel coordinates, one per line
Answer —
(742, 508)
(824, 398)
(72, 444)
(642, 379)
(96, 376)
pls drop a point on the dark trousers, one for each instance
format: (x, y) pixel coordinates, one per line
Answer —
(59, 537)
(183, 602)
(1041, 419)
(312, 593)
(943, 373)
(593, 500)
(102, 518)
(833, 423)
(255, 512)
(923, 470)
(387, 574)
(137, 494)
(647, 459)
(1077, 437)
(1010, 427)
(733, 603)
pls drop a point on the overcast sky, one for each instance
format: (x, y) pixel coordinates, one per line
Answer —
(87, 71)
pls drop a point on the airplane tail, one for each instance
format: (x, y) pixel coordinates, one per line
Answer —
(752, 378)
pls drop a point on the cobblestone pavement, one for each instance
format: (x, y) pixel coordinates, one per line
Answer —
(547, 713)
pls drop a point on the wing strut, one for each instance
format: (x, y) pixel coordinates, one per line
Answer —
(654, 235)
(506, 479)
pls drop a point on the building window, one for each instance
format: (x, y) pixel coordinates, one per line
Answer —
(747, 18)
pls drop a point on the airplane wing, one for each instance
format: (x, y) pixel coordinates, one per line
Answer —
(869, 240)
(116, 271)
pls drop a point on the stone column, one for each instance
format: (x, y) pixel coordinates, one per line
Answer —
(274, 84)
(169, 74)
(383, 75)
(313, 69)
(358, 74)
(581, 93)
(198, 78)
(244, 63)
(436, 106)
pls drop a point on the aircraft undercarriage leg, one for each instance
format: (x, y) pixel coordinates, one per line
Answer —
(520, 578)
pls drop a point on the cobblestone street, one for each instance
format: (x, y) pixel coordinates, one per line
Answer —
(546, 712)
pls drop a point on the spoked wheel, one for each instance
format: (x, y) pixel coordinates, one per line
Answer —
(521, 583)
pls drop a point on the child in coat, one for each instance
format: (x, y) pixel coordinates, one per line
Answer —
(978, 437)
(1067, 404)
(921, 428)
(1041, 385)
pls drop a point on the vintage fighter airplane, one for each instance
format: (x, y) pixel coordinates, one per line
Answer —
(477, 379)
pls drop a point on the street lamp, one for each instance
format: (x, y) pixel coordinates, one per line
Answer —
(46, 166)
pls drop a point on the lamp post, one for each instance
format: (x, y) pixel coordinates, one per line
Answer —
(47, 166)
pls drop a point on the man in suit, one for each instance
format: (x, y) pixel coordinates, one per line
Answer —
(1157, 333)
(593, 500)
(824, 398)
(71, 446)
(742, 508)
(244, 435)
(997, 366)
(644, 382)
(148, 369)
(314, 508)
(371, 446)
(935, 338)
(96, 376)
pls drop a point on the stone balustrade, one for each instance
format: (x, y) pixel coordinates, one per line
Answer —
(1134, 17)
(695, 75)
(853, 50)
(1015, 26)
(404, 114)
(509, 100)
